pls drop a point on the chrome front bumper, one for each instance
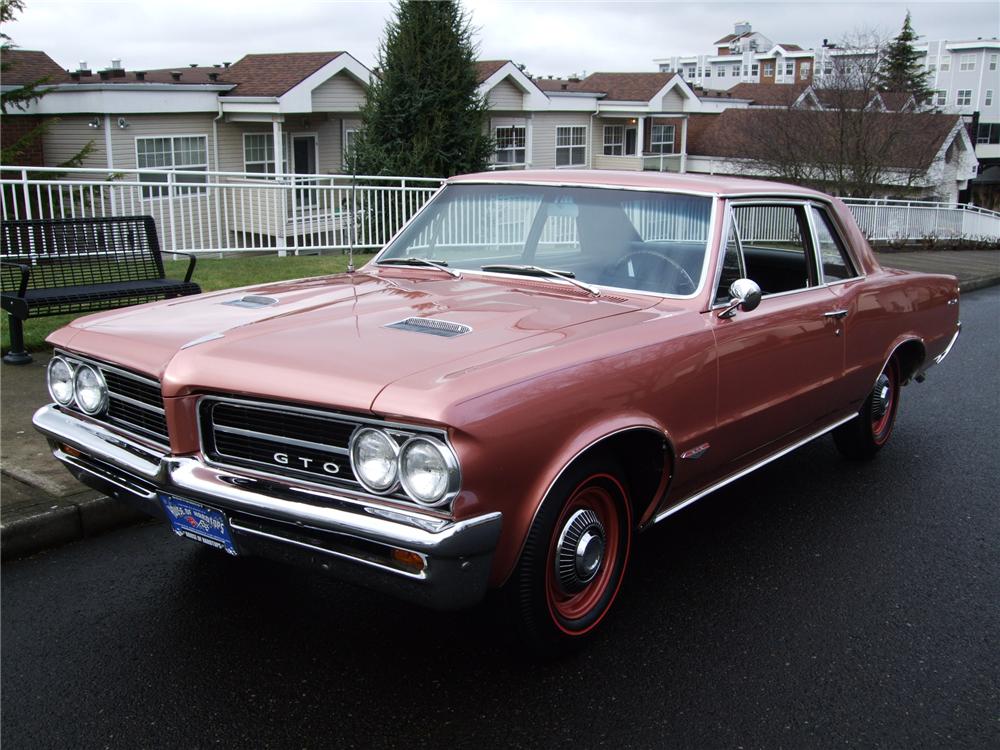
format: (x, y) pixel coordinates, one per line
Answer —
(441, 563)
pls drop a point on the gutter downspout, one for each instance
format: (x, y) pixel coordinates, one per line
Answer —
(110, 161)
(217, 192)
(590, 138)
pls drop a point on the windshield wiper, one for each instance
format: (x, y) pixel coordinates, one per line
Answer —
(441, 265)
(539, 271)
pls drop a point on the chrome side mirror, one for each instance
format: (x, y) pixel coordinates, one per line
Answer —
(745, 296)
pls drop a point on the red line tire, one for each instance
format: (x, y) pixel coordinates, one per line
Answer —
(574, 558)
(865, 436)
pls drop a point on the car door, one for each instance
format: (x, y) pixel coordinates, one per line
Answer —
(780, 364)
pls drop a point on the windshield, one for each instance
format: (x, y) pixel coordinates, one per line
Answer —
(646, 241)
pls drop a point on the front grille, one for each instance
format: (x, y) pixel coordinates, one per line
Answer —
(279, 439)
(135, 403)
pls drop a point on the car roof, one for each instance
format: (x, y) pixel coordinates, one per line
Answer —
(684, 183)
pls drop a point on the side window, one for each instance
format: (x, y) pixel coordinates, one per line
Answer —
(832, 254)
(732, 267)
(777, 251)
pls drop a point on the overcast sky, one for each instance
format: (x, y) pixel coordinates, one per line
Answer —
(554, 37)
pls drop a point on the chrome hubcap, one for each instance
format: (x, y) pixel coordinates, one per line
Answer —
(881, 397)
(580, 551)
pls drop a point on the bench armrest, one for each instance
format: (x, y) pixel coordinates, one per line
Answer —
(191, 262)
(25, 273)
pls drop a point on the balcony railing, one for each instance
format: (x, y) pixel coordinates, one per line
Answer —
(199, 211)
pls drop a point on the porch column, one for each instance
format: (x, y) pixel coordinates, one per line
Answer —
(279, 157)
(684, 144)
(639, 137)
(528, 141)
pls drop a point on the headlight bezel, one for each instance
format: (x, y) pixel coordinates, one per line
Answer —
(452, 469)
(102, 405)
(72, 380)
(394, 446)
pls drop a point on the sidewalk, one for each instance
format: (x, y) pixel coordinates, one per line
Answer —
(42, 506)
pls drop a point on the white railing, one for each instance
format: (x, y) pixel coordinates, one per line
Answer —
(199, 211)
(886, 220)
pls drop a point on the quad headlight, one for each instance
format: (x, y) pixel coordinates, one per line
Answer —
(90, 389)
(425, 467)
(60, 381)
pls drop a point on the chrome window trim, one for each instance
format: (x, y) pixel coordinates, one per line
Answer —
(837, 235)
(712, 218)
(362, 491)
(730, 204)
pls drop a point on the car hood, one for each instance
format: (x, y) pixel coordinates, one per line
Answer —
(327, 340)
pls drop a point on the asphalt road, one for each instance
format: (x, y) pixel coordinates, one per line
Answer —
(818, 603)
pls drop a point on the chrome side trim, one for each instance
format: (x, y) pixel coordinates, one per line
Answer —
(947, 350)
(750, 469)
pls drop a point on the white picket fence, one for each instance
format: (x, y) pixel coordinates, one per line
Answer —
(209, 212)
(212, 212)
(886, 220)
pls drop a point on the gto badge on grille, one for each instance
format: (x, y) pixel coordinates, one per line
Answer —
(308, 464)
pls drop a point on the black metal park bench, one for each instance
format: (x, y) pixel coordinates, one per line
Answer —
(61, 266)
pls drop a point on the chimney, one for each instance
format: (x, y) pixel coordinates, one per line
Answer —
(140, 75)
(82, 68)
(175, 74)
(741, 27)
(213, 76)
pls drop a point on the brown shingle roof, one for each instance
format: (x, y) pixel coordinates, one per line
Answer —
(731, 38)
(790, 47)
(624, 87)
(275, 74)
(768, 94)
(896, 101)
(188, 75)
(918, 140)
(28, 66)
(486, 68)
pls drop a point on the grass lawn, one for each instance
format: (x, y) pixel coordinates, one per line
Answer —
(212, 274)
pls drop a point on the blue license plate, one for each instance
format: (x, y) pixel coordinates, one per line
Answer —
(195, 521)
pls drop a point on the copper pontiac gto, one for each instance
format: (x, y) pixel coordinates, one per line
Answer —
(536, 368)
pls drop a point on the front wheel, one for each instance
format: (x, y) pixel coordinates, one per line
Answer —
(574, 558)
(864, 437)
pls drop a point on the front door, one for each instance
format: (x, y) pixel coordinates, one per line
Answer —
(779, 365)
(304, 163)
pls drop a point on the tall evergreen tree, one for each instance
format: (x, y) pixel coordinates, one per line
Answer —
(423, 115)
(900, 69)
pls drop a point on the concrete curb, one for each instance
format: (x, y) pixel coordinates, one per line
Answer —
(981, 283)
(65, 520)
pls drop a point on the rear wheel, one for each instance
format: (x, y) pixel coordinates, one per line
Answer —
(864, 437)
(574, 558)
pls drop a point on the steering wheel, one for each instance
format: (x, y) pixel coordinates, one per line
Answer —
(650, 265)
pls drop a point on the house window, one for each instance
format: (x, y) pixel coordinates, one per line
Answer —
(614, 140)
(967, 63)
(736, 71)
(989, 132)
(349, 135)
(994, 59)
(699, 73)
(571, 146)
(988, 99)
(768, 69)
(804, 70)
(932, 68)
(258, 153)
(510, 145)
(708, 72)
(790, 69)
(661, 139)
(755, 70)
(945, 64)
(828, 68)
(941, 98)
(188, 152)
(963, 98)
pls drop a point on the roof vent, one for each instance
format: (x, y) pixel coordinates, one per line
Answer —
(226, 64)
(82, 66)
(116, 63)
(432, 326)
(175, 74)
(192, 65)
(252, 301)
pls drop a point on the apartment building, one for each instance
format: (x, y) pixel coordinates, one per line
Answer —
(964, 74)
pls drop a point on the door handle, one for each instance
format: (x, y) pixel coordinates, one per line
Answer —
(836, 314)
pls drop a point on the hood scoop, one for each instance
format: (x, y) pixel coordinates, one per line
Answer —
(252, 301)
(432, 326)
